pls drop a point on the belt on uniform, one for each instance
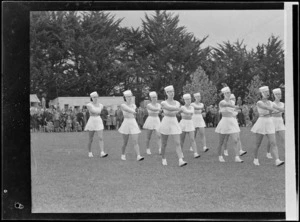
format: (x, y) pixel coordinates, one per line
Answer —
(186, 117)
(153, 114)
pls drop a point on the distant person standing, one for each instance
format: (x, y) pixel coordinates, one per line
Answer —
(104, 114)
(95, 124)
(152, 122)
(239, 102)
(119, 117)
(129, 125)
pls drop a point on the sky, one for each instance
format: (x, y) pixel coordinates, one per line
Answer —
(252, 26)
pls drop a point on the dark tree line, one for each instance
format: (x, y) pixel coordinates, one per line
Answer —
(75, 53)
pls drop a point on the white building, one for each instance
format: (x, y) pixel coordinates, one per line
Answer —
(79, 102)
(34, 100)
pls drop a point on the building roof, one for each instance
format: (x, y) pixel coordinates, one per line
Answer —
(34, 98)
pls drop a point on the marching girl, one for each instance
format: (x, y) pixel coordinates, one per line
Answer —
(242, 152)
(277, 119)
(198, 120)
(186, 123)
(170, 126)
(265, 126)
(129, 125)
(153, 122)
(95, 124)
(228, 125)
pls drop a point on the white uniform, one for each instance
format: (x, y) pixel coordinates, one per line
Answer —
(186, 124)
(152, 122)
(95, 122)
(197, 117)
(169, 125)
(264, 124)
(278, 120)
(227, 125)
(129, 124)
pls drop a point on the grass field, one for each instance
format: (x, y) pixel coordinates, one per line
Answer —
(65, 180)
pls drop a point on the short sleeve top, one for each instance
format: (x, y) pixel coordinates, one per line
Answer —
(158, 106)
(94, 109)
(177, 104)
(128, 114)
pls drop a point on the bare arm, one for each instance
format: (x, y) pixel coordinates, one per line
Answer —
(168, 107)
(261, 105)
(186, 111)
(278, 108)
(127, 109)
(150, 107)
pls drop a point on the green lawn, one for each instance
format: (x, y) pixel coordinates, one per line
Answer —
(65, 180)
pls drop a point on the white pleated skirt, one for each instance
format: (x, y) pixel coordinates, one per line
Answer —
(198, 120)
(186, 125)
(228, 125)
(129, 126)
(152, 123)
(169, 126)
(264, 125)
(94, 124)
(278, 122)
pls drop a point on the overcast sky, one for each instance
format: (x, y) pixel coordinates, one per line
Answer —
(252, 26)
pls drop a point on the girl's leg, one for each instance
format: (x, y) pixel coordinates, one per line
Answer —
(91, 136)
(125, 141)
(164, 140)
(259, 138)
(178, 146)
(101, 144)
(149, 133)
(135, 138)
(274, 148)
(221, 141)
(241, 151)
(235, 138)
(203, 138)
(178, 149)
(194, 145)
(182, 138)
(269, 156)
(158, 141)
(225, 143)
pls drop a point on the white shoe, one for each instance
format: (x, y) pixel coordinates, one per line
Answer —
(242, 152)
(226, 152)
(123, 157)
(269, 156)
(148, 152)
(103, 154)
(139, 158)
(91, 154)
(191, 149)
(205, 149)
(182, 163)
(255, 161)
(278, 162)
(164, 162)
(196, 155)
(221, 159)
(238, 159)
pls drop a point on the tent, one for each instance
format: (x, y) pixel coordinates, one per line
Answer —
(79, 102)
(34, 100)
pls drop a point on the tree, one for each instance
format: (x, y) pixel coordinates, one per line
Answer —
(253, 94)
(172, 53)
(200, 83)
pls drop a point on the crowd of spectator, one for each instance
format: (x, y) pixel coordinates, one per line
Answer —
(74, 119)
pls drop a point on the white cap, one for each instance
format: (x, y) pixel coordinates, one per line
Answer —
(127, 93)
(169, 88)
(277, 90)
(153, 94)
(187, 96)
(263, 89)
(94, 94)
(225, 89)
(232, 96)
(197, 94)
